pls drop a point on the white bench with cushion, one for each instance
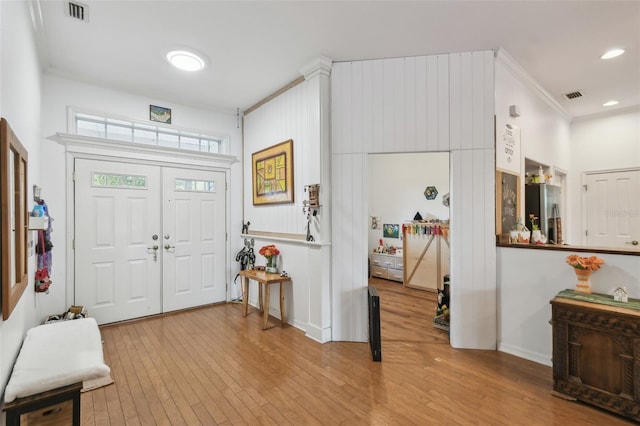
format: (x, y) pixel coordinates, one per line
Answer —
(53, 362)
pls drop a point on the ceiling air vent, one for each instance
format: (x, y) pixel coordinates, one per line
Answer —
(76, 10)
(573, 95)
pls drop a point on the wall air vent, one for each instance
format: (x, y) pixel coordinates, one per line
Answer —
(76, 10)
(573, 95)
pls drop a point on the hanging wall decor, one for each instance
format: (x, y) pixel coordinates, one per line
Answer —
(391, 230)
(273, 174)
(375, 222)
(161, 114)
(431, 193)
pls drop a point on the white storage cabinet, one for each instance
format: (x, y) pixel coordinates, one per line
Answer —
(387, 266)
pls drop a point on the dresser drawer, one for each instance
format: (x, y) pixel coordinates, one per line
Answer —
(399, 263)
(395, 275)
(379, 272)
(377, 260)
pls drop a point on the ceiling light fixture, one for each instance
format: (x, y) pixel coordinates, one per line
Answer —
(186, 61)
(612, 53)
(610, 103)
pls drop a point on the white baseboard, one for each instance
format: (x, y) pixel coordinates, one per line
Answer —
(321, 335)
(540, 358)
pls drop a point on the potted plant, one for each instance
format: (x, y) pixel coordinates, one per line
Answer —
(536, 235)
(584, 267)
(270, 252)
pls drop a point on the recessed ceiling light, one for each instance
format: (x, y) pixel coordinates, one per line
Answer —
(612, 53)
(186, 61)
(610, 103)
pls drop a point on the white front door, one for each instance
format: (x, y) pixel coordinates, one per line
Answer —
(138, 253)
(117, 274)
(194, 238)
(613, 209)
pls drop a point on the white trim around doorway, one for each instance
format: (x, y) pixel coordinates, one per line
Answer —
(104, 149)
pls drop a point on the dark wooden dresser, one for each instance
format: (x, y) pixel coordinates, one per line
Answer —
(596, 351)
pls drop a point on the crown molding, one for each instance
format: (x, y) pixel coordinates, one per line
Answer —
(319, 66)
(606, 114)
(502, 57)
(39, 35)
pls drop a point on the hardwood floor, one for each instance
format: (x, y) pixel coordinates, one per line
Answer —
(212, 366)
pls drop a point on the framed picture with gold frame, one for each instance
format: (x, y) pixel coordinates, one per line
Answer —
(273, 174)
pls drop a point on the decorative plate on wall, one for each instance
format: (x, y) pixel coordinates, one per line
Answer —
(431, 193)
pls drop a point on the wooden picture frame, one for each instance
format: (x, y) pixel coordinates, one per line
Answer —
(13, 218)
(508, 201)
(161, 114)
(272, 174)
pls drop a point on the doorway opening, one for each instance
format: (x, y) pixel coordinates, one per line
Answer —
(408, 247)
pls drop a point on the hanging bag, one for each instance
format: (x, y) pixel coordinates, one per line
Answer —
(42, 274)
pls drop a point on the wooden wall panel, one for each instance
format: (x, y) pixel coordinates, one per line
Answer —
(285, 117)
(378, 108)
(443, 103)
(432, 104)
(338, 113)
(409, 106)
(455, 93)
(424, 104)
(421, 104)
(356, 124)
(348, 262)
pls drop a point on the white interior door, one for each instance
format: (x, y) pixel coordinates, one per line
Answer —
(613, 209)
(194, 206)
(117, 275)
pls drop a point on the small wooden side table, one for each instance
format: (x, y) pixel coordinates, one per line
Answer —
(263, 279)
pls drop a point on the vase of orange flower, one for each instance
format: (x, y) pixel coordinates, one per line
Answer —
(584, 267)
(270, 253)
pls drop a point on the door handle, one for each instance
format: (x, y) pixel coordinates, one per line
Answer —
(633, 243)
(168, 247)
(154, 248)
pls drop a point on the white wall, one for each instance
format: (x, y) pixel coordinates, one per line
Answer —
(530, 278)
(396, 189)
(60, 93)
(20, 91)
(422, 104)
(603, 142)
(300, 114)
(544, 130)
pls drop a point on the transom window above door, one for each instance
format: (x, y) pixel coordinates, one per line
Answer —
(98, 126)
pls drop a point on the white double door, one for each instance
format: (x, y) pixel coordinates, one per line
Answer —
(148, 239)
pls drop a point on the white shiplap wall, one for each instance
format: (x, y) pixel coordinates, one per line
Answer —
(285, 117)
(420, 104)
(300, 113)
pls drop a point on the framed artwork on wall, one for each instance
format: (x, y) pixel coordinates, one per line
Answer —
(161, 114)
(272, 173)
(391, 230)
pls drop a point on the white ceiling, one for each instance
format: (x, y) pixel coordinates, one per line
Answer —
(255, 48)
